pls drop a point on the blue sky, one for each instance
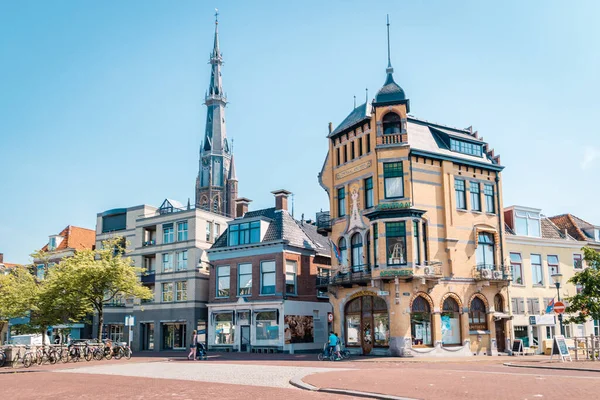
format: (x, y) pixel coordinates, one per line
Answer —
(101, 102)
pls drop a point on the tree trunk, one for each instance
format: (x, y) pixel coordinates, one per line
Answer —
(44, 330)
(100, 322)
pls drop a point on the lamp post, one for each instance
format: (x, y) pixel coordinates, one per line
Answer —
(557, 278)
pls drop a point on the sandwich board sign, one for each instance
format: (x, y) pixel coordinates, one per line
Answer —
(560, 348)
(517, 347)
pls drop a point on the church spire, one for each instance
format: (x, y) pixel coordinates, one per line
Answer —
(389, 69)
(215, 89)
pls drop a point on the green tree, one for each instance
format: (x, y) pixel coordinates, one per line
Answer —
(18, 291)
(96, 277)
(586, 303)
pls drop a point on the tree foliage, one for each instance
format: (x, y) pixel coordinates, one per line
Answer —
(95, 277)
(18, 290)
(586, 303)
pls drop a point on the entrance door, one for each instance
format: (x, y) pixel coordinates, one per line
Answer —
(500, 336)
(245, 338)
(147, 336)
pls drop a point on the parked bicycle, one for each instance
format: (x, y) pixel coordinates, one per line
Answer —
(46, 354)
(121, 350)
(27, 357)
(2, 357)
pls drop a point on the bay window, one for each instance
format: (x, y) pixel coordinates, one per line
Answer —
(395, 235)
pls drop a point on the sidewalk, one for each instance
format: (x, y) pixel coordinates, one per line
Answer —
(546, 363)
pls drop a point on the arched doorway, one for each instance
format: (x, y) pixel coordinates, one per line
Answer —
(500, 323)
(367, 323)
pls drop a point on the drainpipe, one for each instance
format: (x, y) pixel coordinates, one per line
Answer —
(508, 300)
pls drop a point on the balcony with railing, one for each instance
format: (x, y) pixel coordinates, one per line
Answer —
(355, 275)
(148, 277)
(491, 272)
(392, 138)
(323, 222)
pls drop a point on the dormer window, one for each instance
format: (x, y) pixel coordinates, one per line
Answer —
(391, 124)
(245, 233)
(527, 223)
(460, 146)
(52, 244)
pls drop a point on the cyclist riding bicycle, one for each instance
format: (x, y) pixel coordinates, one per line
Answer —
(333, 341)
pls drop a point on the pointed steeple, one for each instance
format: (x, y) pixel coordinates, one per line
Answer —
(391, 92)
(232, 176)
(215, 89)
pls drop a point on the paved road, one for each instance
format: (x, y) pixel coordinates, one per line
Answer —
(236, 374)
(464, 381)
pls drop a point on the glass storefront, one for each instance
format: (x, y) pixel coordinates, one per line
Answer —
(224, 328)
(174, 336)
(521, 333)
(367, 322)
(147, 336)
(450, 322)
(420, 322)
(267, 327)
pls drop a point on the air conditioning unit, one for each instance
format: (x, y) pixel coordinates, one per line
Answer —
(486, 274)
(428, 271)
(497, 275)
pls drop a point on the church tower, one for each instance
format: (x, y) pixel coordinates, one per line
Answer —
(214, 191)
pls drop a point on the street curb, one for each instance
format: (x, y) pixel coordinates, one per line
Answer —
(509, 364)
(300, 384)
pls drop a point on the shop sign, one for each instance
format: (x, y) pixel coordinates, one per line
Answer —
(353, 170)
(398, 205)
(396, 272)
(362, 293)
(532, 320)
(383, 293)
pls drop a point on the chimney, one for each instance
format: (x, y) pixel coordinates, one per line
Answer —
(281, 197)
(1, 258)
(241, 206)
(330, 128)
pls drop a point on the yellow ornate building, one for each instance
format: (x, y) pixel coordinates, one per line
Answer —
(415, 226)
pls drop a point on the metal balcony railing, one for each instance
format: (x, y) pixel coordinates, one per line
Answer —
(492, 272)
(356, 274)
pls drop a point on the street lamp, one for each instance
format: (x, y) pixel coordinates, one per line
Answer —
(557, 278)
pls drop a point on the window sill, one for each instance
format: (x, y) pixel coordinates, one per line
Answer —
(291, 294)
(244, 295)
(462, 210)
(476, 212)
(519, 284)
(539, 286)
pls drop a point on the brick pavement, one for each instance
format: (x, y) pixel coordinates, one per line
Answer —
(464, 381)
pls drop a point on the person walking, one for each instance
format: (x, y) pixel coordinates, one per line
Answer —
(192, 355)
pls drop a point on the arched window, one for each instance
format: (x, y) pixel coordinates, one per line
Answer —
(420, 322)
(367, 322)
(450, 322)
(391, 124)
(204, 203)
(498, 303)
(357, 252)
(343, 250)
(216, 205)
(485, 251)
(477, 315)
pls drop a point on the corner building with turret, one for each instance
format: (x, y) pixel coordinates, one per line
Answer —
(416, 234)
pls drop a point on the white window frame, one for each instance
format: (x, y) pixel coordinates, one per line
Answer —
(530, 219)
(291, 268)
(165, 285)
(169, 262)
(219, 275)
(262, 276)
(180, 291)
(182, 234)
(182, 258)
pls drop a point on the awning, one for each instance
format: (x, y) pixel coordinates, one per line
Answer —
(501, 315)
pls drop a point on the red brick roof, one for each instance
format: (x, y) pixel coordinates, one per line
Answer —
(572, 224)
(75, 238)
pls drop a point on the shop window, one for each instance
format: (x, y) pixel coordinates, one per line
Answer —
(395, 235)
(367, 322)
(521, 334)
(174, 336)
(420, 322)
(267, 327)
(391, 124)
(477, 315)
(357, 252)
(116, 333)
(224, 328)
(450, 322)
(416, 244)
